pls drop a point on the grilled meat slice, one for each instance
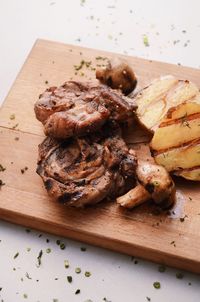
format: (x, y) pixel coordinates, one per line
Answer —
(81, 171)
(76, 109)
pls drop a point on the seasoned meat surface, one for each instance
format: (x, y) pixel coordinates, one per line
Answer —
(76, 109)
(85, 170)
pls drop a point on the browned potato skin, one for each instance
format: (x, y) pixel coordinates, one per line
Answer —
(118, 75)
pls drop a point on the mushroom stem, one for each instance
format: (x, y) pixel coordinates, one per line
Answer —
(134, 197)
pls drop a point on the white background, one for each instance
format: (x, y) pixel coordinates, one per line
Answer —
(173, 30)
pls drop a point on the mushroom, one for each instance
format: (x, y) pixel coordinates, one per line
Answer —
(118, 75)
(154, 182)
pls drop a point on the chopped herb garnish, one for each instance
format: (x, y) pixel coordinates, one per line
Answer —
(87, 274)
(78, 270)
(2, 169)
(1, 288)
(189, 283)
(69, 279)
(156, 285)
(55, 300)
(66, 263)
(136, 262)
(28, 276)
(15, 126)
(148, 298)
(39, 257)
(48, 251)
(62, 246)
(83, 249)
(25, 296)
(2, 183)
(173, 243)
(146, 40)
(16, 255)
(58, 242)
(28, 231)
(77, 291)
(179, 275)
(161, 268)
(47, 240)
(12, 116)
(182, 219)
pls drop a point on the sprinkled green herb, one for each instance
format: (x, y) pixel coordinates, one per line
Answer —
(28, 231)
(39, 257)
(62, 246)
(179, 275)
(182, 219)
(87, 274)
(47, 240)
(58, 242)
(146, 40)
(48, 251)
(161, 268)
(78, 270)
(12, 116)
(83, 249)
(189, 283)
(28, 249)
(136, 262)
(1, 288)
(2, 169)
(16, 255)
(14, 269)
(15, 126)
(157, 285)
(55, 300)
(28, 276)
(148, 299)
(25, 296)
(69, 279)
(2, 183)
(66, 263)
(77, 291)
(22, 279)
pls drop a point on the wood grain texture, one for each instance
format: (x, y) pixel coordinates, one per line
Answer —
(23, 200)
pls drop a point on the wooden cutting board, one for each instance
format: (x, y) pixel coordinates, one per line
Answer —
(23, 199)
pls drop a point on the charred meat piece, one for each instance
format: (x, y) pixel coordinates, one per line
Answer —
(76, 109)
(81, 171)
(154, 182)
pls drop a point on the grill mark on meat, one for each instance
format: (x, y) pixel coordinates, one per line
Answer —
(100, 166)
(76, 109)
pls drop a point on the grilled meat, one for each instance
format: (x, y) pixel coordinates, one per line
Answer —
(76, 109)
(85, 170)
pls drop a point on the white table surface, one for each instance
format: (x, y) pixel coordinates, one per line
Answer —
(173, 30)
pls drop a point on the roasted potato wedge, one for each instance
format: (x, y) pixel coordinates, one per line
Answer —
(162, 94)
(176, 142)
